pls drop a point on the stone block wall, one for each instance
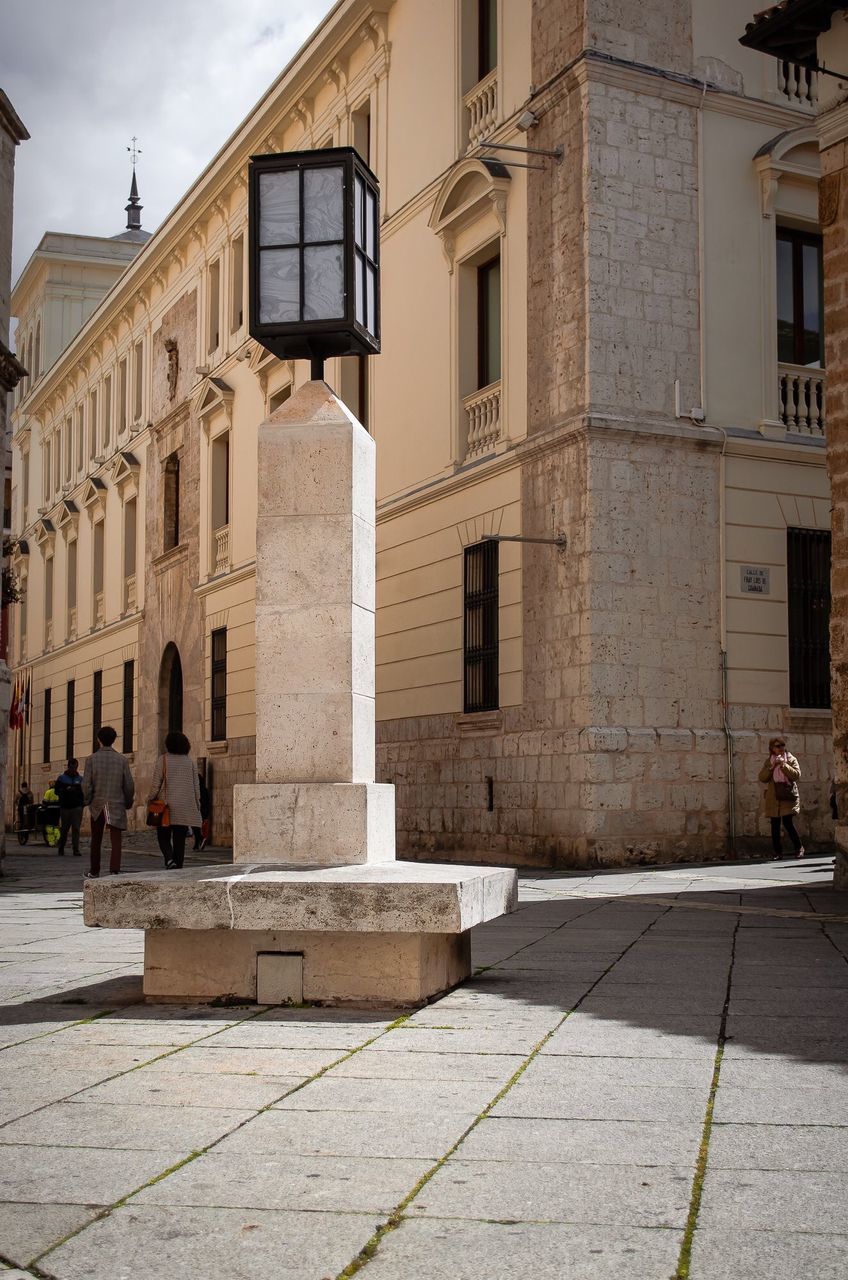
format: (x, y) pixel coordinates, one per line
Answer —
(234, 768)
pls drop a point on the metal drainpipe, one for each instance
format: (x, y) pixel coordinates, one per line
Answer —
(731, 786)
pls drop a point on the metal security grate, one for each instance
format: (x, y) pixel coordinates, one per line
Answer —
(808, 560)
(481, 627)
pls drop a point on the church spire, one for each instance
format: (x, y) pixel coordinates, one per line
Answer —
(134, 207)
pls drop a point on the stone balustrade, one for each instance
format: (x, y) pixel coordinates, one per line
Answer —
(222, 550)
(801, 393)
(799, 84)
(483, 415)
(482, 105)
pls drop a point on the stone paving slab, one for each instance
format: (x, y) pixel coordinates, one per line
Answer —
(136, 1128)
(810, 1148)
(150, 1242)
(426, 1097)
(767, 1200)
(326, 1133)
(779, 1255)
(152, 1088)
(344, 1184)
(790, 1107)
(600, 1101)
(73, 1175)
(534, 1191)
(575, 1142)
(450, 1250)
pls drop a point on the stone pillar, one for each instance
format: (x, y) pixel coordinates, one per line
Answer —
(315, 801)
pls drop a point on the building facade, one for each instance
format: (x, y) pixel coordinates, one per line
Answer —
(603, 507)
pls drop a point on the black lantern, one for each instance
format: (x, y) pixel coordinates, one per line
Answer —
(314, 227)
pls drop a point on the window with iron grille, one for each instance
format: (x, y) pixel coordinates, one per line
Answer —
(481, 627)
(96, 708)
(129, 704)
(219, 685)
(70, 700)
(45, 751)
(808, 567)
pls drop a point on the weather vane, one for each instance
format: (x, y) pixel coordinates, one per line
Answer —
(134, 150)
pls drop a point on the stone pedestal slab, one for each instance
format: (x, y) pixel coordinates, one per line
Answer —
(371, 969)
(331, 824)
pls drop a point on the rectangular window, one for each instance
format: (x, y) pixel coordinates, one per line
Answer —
(45, 744)
(213, 323)
(57, 462)
(107, 413)
(92, 425)
(48, 589)
(7, 503)
(800, 298)
(487, 37)
(219, 685)
(480, 614)
(23, 620)
(69, 448)
(130, 510)
(46, 476)
(361, 121)
(489, 323)
(129, 704)
(221, 480)
(171, 499)
(96, 707)
(97, 576)
(808, 574)
(138, 381)
(69, 718)
(24, 519)
(80, 438)
(237, 294)
(72, 576)
(123, 392)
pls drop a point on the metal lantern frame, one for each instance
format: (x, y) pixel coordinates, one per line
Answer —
(352, 332)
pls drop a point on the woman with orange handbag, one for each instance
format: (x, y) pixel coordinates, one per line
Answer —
(176, 784)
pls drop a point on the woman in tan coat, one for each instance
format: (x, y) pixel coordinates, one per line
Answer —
(176, 782)
(781, 801)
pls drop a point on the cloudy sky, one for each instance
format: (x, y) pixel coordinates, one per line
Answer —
(85, 75)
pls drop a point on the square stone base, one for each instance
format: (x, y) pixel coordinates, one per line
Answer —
(301, 823)
(371, 969)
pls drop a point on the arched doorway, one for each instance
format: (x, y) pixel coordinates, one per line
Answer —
(171, 691)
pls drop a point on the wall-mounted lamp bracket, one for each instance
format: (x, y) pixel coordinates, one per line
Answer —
(556, 154)
(560, 542)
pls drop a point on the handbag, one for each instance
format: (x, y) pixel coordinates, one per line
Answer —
(785, 792)
(158, 813)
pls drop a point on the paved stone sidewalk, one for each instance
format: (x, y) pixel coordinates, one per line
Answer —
(645, 1079)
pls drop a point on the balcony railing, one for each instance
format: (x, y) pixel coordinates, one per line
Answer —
(99, 613)
(222, 550)
(482, 105)
(129, 594)
(801, 399)
(483, 416)
(798, 84)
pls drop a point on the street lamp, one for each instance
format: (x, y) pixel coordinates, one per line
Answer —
(314, 235)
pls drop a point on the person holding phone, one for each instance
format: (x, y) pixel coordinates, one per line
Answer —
(781, 800)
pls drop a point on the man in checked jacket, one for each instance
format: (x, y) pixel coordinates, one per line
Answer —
(108, 790)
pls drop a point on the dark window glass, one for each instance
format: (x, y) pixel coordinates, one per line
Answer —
(219, 685)
(487, 18)
(489, 323)
(808, 565)
(69, 718)
(171, 512)
(96, 707)
(481, 627)
(129, 704)
(45, 751)
(800, 327)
